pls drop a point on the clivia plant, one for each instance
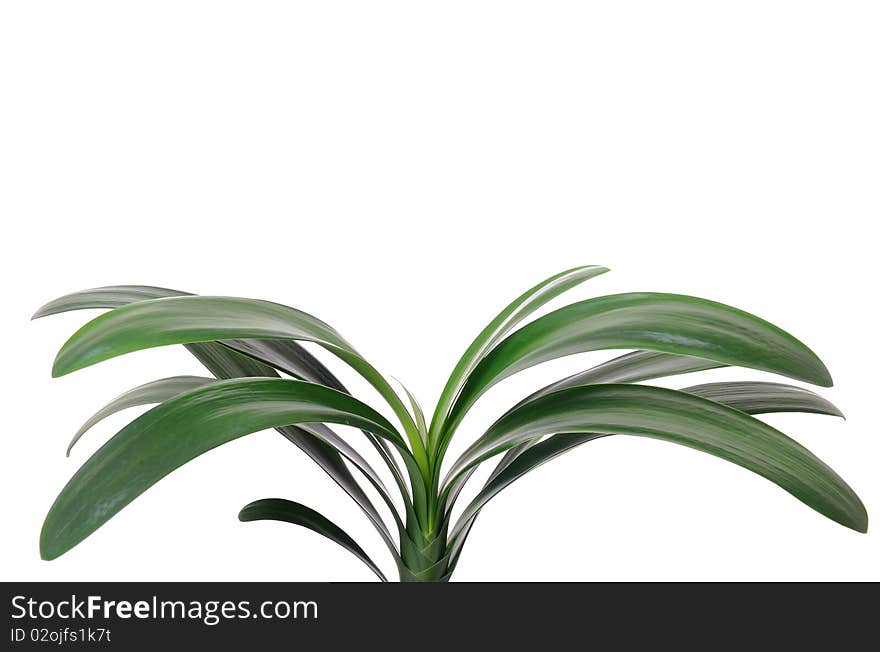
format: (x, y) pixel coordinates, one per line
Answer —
(263, 378)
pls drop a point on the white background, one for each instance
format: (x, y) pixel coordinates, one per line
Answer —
(402, 170)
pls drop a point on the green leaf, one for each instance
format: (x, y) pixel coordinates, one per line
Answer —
(529, 460)
(647, 365)
(111, 296)
(759, 397)
(632, 368)
(278, 509)
(186, 320)
(182, 428)
(628, 368)
(153, 392)
(680, 418)
(506, 320)
(285, 355)
(668, 323)
(749, 397)
(289, 357)
(226, 362)
(418, 413)
(192, 319)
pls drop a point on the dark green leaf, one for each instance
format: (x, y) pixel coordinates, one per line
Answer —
(632, 368)
(759, 398)
(289, 357)
(529, 460)
(628, 368)
(226, 363)
(111, 296)
(680, 418)
(506, 320)
(153, 392)
(749, 397)
(182, 428)
(278, 509)
(192, 319)
(667, 323)
(187, 320)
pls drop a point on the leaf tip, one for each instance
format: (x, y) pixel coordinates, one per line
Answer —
(61, 366)
(43, 311)
(49, 548)
(857, 516)
(861, 523)
(245, 514)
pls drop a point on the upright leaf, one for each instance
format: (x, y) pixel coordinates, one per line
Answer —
(507, 319)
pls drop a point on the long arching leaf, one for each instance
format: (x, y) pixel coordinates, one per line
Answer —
(762, 397)
(507, 319)
(286, 355)
(187, 320)
(146, 394)
(290, 357)
(278, 509)
(193, 319)
(668, 323)
(316, 440)
(628, 368)
(111, 296)
(529, 460)
(680, 418)
(225, 362)
(749, 397)
(632, 368)
(181, 429)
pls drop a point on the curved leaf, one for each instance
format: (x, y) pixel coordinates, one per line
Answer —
(680, 418)
(286, 355)
(290, 357)
(418, 412)
(632, 368)
(760, 397)
(529, 460)
(226, 361)
(187, 320)
(153, 392)
(749, 397)
(192, 319)
(668, 323)
(180, 429)
(111, 296)
(647, 365)
(506, 320)
(278, 509)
